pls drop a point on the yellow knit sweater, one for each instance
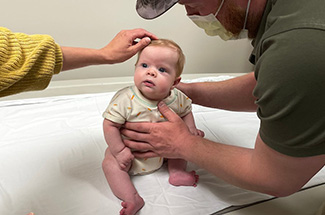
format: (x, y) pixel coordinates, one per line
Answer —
(27, 62)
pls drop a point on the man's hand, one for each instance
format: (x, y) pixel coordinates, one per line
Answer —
(166, 139)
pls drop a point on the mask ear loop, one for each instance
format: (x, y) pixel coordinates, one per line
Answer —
(246, 15)
(219, 8)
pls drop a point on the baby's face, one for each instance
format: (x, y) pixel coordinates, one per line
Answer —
(155, 72)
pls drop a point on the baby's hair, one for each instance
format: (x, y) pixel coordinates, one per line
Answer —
(170, 44)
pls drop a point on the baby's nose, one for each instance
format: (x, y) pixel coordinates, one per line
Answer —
(151, 72)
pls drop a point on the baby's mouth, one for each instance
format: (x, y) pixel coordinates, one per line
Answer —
(148, 83)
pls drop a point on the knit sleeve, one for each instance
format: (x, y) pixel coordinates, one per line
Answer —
(27, 62)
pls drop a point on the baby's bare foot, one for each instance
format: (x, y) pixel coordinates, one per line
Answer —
(183, 178)
(131, 208)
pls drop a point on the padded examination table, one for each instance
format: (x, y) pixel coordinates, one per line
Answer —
(51, 150)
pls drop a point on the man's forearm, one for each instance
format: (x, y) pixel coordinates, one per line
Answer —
(234, 94)
(261, 169)
(224, 161)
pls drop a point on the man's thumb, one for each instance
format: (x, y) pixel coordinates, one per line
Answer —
(166, 111)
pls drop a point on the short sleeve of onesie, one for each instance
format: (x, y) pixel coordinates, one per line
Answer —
(184, 103)
(119, 106)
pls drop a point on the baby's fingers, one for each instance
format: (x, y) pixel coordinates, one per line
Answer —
(123, 166)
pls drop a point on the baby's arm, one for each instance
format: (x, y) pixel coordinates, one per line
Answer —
(189, 121)
(116, 145)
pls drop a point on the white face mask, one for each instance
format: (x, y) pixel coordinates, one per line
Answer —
(213, 27)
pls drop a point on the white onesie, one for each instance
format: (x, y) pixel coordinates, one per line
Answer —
(128, 104)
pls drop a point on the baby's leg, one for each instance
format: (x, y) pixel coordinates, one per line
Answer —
(178, 176)
(121, 185)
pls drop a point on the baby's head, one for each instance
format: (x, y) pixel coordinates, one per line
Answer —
(170, 44)
(158, 69)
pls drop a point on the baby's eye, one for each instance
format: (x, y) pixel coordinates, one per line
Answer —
(162, 70)
(144, 65)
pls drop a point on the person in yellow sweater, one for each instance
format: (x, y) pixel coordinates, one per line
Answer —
(28, 62)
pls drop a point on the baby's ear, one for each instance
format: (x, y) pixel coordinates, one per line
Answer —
(177, 80)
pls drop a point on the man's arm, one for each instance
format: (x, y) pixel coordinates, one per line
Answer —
(233, 94)
(260, 169)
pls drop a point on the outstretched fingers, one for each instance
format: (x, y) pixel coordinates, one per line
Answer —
(141, 146)
(148, 154)
(137, 130)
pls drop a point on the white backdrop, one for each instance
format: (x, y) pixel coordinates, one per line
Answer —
(92, 24)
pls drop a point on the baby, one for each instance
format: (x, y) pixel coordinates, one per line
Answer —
(157, 72)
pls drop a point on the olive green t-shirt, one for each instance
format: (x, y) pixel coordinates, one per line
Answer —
(289, 58)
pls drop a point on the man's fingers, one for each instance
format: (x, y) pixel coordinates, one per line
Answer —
(148, 154)
(144, 149)
(142, 127)
(133, 135)
(167, 112)
(137, 145)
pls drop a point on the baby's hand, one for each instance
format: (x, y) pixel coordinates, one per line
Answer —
(124, 158)
(196, 132)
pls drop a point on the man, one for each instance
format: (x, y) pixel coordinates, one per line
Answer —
(286, 89)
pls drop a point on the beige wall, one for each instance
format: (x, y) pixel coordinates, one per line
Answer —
(93, 23)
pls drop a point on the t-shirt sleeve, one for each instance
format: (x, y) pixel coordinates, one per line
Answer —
(290, 92)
